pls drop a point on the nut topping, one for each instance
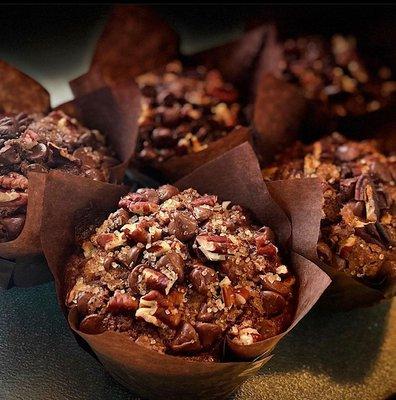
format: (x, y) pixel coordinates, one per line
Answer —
(183, 111)
(179, 284)
(40, 143)
(357, 224)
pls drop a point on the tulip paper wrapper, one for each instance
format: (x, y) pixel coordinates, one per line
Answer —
(135, 40)
(345, 292)
(282, 114)
(103, 108)
(233, 176)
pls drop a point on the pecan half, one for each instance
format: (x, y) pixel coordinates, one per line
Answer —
(136, 232)
(122, 302)
(13, 181)
(143, 208)
(204, 200)
(215, 247)
(143, 278)
(110, 241)
(158, 311)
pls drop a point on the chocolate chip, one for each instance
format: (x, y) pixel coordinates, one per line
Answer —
(92, 324)
(359, 209)
(35, 168)
(170, 117)
(55, 158)
(208, 333)
(383, 231)
(183, 226)
(173, 262)
(9, 154)
(82, 304)
(12, 127)
(369, 234)
(202, 278)
(347, 188)
(37, 153)
(149, 91)
(273, 303)
(134, 256)
(166, 98)
(133, 278)
(361, 183)
(162, 137)
(165, 192)
(186, 340)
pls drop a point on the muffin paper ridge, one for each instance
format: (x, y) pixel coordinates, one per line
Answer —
(240, 61)
(238, 179)
(102, 108)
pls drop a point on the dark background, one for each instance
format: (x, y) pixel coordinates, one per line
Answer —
(54, 43)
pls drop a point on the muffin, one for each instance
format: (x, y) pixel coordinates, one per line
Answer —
(180, 273)
(184, 109)
(40, 143)
(333, 75)
(358, 229)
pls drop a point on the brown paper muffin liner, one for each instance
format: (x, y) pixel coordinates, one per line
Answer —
(233, 176)
(135, 40)
(114, 111)
(20, 93)
(344, 292)
(282, 114)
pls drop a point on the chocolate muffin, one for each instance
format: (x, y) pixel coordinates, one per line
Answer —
(183, 110)
(358, 232)
(41, 143)
(334, 75)
(179, 272)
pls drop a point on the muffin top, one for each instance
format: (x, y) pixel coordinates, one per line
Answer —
(333, 72)
(183, 110)
(41, 143)
(358, 232)
(179, 272)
